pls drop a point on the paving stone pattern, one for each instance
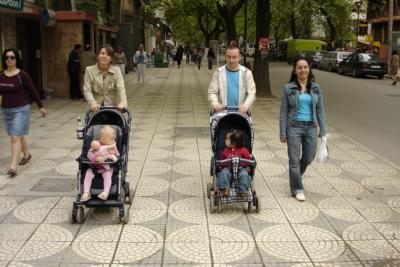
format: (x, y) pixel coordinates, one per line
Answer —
(351, 216)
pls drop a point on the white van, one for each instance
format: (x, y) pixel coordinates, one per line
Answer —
(250, 49)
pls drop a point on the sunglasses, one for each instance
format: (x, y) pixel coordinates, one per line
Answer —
(9, 57)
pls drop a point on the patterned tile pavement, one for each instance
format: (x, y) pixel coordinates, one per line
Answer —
(351, 216)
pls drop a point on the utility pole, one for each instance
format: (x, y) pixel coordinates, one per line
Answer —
(390, 32)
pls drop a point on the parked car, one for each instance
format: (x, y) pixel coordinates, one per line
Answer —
(331, 60)
(314, 57)
(361, 64)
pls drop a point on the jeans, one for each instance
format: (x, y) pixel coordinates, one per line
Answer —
(302, 147)
(224, 179)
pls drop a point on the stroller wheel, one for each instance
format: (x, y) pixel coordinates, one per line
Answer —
(129, 197)
(72, 216)
(212, 203)
(257, 204)
(209, 188)
(80, 215)
(249, 206)
(124, 215)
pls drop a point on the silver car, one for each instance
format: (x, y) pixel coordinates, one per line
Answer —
(331, 60)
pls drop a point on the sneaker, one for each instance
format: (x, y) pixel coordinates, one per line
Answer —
(300, 196)
(103, 196)
(85, 197)
(225, 192)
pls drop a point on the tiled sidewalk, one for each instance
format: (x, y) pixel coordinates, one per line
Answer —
(351, 216)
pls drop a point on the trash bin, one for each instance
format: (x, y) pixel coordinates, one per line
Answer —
(48, 93)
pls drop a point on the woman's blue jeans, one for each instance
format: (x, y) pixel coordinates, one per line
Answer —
(302, 146)
(224, 179)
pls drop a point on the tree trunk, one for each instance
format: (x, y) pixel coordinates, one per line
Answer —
(293, 21)
(228, 12)
(332, 28)
(261, 66)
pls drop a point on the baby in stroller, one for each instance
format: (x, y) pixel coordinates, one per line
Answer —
(234, 142)
(102, 151)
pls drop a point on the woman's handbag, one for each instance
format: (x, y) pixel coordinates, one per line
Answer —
(323, 151)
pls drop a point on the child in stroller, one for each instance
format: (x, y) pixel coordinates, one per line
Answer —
(226, 172)
(102, 151)
(101, 193)
(234, 148)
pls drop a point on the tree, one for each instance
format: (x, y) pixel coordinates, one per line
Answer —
(261, 66)
(228, 10)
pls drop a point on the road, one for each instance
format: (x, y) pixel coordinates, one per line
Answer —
(365, 109)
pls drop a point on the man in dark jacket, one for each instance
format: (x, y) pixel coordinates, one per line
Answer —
(74, 66)
(179, 56)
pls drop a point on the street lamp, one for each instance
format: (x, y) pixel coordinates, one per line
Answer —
(358, 6)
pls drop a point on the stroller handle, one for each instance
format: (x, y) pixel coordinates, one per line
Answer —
(230, 108)
(123, 110)
(251, 162)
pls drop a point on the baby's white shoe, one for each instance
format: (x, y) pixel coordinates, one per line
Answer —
(103, 196)
(85, 197)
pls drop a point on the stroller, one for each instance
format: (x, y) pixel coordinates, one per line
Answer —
(219, 127)
(120, 192)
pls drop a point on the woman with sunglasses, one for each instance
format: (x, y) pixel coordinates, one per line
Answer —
(16, 86)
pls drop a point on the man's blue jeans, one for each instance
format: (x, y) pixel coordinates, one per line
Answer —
(302, 147)
(224, 179)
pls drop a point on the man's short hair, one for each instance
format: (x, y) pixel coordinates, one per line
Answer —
(232, 47)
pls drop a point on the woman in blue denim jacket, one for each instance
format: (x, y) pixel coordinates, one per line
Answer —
(301, 113)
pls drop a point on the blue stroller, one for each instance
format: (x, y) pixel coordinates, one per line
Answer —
(120, 192)
(219, 127)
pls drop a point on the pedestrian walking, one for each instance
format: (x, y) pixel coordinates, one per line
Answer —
(187, 54)
(394, 67)
(16, 87)
(210, 57)
(301, 113)
(140, 58)
(232, 84)
(104, 84)
(74, 72)
(199, 57)
(120, 60)
(179, 56)
(173, 52)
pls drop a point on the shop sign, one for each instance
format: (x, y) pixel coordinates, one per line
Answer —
(263, 43)
(12, 4)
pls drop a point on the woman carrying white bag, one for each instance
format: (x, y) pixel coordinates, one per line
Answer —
(301, 113)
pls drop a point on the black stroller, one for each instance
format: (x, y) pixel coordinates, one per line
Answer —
(120, 192)
(219, 127)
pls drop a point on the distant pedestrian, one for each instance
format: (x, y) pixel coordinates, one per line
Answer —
(104, 84)
(179, 56)
(16, 86)
(394, 67)
(140, 58)
(173, 52)
(210, 58)
(74, 66)
(120, 60)
(199, 57)
(187, 54)
(301, 113)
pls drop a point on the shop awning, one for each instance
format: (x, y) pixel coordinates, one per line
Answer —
(74, 15)
(107, 28)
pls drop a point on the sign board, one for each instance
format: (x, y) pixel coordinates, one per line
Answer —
(12, 4)
(369, 38)
(263, 43)
(48, 18)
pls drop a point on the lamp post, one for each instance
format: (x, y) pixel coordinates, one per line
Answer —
(358, 6)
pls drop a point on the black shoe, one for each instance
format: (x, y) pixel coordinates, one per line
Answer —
(12, 173)
(394, 83)
(24, 160)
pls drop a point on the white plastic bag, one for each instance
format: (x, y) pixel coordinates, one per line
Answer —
(323, 149)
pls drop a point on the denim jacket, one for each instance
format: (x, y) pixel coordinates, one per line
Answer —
(290, 103)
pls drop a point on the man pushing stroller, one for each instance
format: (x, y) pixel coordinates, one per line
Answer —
(232, 84)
